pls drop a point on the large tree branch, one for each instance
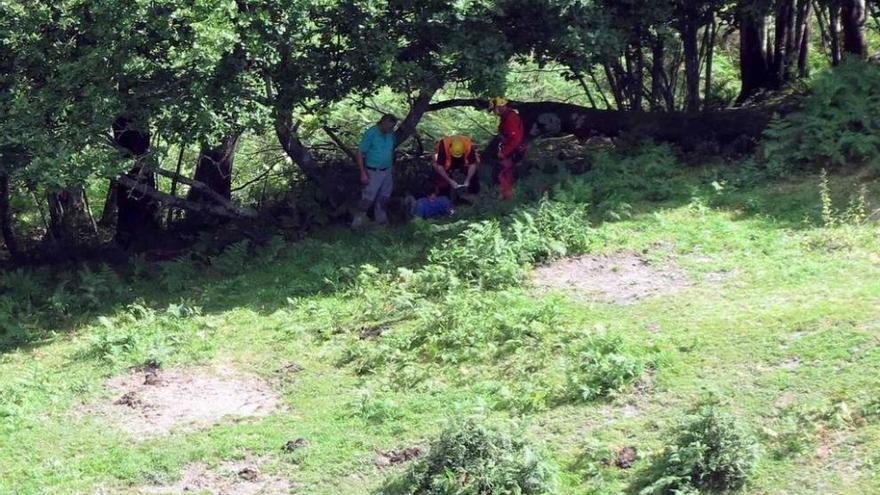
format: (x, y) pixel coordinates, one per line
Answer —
(419, 106)
(226, 210)
(477, 103)
(338, 142)
(194, 184)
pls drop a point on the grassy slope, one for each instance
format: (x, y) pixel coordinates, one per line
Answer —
(793, 290)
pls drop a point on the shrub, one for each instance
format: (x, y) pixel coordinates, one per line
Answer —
(601, 366)
(96, 287)
(469, 324)
(141, 335)
(85, 289)
(23, 287)
(430, 281)
(373, 409)
(647, 172)
(11, 329)
(470, 458)
(552, 230)
(839, 122)
(466, 326)
(493, 257)
(233, 258)
(483, 255)
(713, 451)
(178, 274)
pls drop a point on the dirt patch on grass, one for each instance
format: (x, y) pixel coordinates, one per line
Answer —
(397, 456)
(623, 278)
(623, 458)
(244, 477)
(152, 401)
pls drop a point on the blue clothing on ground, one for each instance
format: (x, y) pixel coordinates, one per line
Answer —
(432, 208)
(377, 148)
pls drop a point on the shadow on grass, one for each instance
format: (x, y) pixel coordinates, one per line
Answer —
(327, 262)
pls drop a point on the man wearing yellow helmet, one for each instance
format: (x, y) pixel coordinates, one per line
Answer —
(456, 153)
(512, 147)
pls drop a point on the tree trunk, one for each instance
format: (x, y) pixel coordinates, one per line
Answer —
(689, 30)
(216, 208)
(614, 85)
(783, 49)
(108, 214)
(854, 16)
(753, 63)
(656, 77)
(544, 119)
(823, 25)
(69, 221)
(712, 29)
(595, 80)
(587, 92)
(6, 220)
(170, 216)
(804, 29)
(137, 213)
(334, 190)
(834, 28)
(419, 106)
(214, 169)
(635, 63)
(657, 74)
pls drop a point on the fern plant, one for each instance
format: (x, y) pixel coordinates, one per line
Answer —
(713, 451)
(838, 124)
(475, 459)
(233, 258)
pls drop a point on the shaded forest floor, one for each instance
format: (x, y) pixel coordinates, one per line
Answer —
(340, 374)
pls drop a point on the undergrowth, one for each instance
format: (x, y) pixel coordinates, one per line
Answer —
(475, 459)
(838, 124)
(712, 451)
(142, 335)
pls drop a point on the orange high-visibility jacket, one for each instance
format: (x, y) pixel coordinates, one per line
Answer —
(443, 153)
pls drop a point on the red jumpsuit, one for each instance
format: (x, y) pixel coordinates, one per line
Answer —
(512, 149)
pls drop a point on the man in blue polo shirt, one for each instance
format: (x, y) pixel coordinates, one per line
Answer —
(374, 157)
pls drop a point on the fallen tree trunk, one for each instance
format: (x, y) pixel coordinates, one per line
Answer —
(207, 192)
(225, 210)
(549, 119)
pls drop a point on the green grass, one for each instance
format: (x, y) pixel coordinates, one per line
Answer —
(795, 316)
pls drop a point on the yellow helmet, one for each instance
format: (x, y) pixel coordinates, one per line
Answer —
(498, 101)
(456, 148)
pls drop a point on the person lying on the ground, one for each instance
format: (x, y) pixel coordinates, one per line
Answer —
(456, 153)
(512, 148)
(433, 206)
